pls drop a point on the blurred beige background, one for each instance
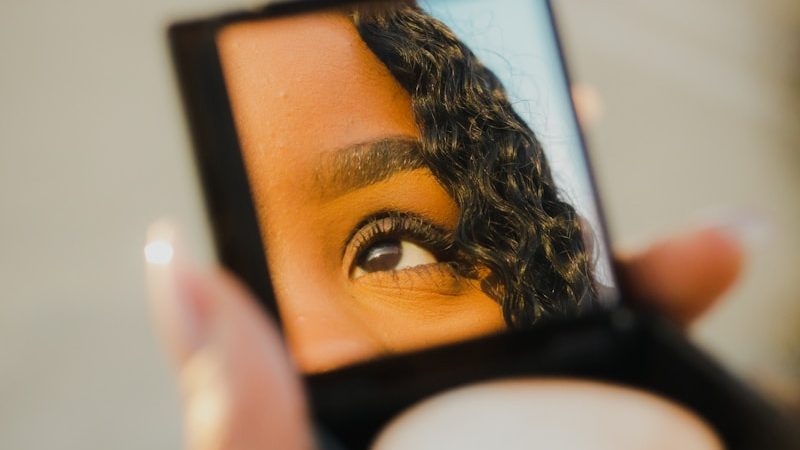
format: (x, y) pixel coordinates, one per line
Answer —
(700, 110)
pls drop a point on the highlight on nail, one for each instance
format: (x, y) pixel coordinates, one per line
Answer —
(159, 252)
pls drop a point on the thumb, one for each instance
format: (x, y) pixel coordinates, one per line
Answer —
(240, 389)
(682, 276)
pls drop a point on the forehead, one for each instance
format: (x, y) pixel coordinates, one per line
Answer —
(304, 85)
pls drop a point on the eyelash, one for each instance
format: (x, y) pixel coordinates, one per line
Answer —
(402, 226)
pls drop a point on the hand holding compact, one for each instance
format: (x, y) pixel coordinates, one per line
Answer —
(240, 388)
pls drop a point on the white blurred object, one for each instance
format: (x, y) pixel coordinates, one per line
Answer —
(548, 414)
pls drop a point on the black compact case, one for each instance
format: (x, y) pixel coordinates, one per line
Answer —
(625, 345)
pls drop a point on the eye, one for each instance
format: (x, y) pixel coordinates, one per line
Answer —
(391, 255)
(391, 242)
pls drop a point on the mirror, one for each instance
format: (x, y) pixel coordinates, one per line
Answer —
(417, 173)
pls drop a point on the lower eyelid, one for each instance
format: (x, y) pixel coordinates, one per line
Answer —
(435, 277)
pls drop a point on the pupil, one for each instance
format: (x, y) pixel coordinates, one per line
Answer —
(382, 256)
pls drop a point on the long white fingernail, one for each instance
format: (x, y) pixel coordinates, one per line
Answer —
(751, 227)
(159, 252)
(176, 305)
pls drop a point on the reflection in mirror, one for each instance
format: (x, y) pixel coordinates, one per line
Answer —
(403, 196)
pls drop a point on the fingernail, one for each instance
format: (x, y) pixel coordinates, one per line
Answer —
(179, 307)
(751, 228)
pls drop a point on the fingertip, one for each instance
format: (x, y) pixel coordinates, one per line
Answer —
(239, 386)
(722, 250)
(177, 303)
(684, 275)
(245, 382)
(588, 104)
(714, 260)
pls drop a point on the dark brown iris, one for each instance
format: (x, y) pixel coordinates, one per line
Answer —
(381, 256)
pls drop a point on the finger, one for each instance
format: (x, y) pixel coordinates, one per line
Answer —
(682, 276)
(588, 104)
(240, 390)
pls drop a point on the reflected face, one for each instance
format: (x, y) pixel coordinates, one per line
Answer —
(357, 231)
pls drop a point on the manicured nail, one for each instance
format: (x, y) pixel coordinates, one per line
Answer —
(752, 229)
(179, 307)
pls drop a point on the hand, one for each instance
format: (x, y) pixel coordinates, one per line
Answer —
(239, 387)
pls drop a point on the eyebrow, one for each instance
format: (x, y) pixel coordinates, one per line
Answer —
(367, 163)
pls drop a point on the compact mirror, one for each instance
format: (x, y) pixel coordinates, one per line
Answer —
(417, 174)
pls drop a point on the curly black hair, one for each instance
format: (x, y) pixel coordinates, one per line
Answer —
(512, 221)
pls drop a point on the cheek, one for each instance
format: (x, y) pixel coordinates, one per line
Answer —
(406, 320)
(321, 328)
(331, 323)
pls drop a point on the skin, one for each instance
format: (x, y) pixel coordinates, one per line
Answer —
(299, 113)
